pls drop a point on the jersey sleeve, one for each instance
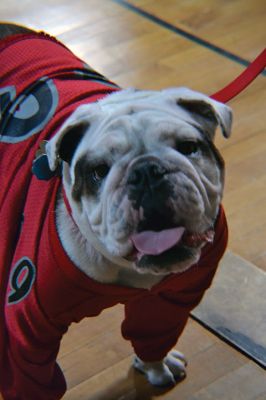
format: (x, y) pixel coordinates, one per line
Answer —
(32, 342)
(153, 324)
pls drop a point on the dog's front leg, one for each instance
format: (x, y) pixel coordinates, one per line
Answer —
(164, 372)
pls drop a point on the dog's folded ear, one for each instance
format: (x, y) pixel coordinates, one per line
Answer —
(70, 139)
(209, 112)
(62, 147)
(64, 144)
(216, 114)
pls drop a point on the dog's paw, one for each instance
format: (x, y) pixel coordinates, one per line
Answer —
(165, 372)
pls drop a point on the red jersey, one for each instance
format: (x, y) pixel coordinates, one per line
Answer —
(41, 291)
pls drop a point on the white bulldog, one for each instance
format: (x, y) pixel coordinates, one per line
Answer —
(144, 183)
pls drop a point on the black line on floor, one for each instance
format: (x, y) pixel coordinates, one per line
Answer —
(185, 34)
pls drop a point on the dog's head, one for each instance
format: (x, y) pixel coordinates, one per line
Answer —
(143, 176)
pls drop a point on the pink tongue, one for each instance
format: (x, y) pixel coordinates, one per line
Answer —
(154, 243)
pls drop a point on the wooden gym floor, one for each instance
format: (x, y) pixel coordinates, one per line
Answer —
(202, 44)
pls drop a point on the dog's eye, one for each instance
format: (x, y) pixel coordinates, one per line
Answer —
(187, 148)
(100, 172)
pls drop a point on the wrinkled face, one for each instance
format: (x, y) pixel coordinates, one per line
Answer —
(148, 181)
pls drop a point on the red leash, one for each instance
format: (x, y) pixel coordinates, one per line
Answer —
(242, 81)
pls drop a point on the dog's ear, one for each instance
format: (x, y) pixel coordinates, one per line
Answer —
(64, 144)
(206, 110)
(70, 140)
(212, 112)
(48, 158)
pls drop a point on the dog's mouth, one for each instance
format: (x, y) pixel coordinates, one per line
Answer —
(168, 242)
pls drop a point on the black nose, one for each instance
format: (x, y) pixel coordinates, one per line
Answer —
(146, 174)
(149, 187)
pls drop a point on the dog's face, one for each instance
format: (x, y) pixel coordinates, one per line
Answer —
(143, 175)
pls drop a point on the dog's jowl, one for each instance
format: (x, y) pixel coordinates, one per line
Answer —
(120, 194)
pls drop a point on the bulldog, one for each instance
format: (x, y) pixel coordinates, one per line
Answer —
(109, 196)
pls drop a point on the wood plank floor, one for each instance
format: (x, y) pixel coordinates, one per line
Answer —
(97, 364)
(130, 48)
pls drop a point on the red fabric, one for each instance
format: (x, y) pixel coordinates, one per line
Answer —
(56, 293)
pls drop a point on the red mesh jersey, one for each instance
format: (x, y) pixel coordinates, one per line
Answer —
(41, 290)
